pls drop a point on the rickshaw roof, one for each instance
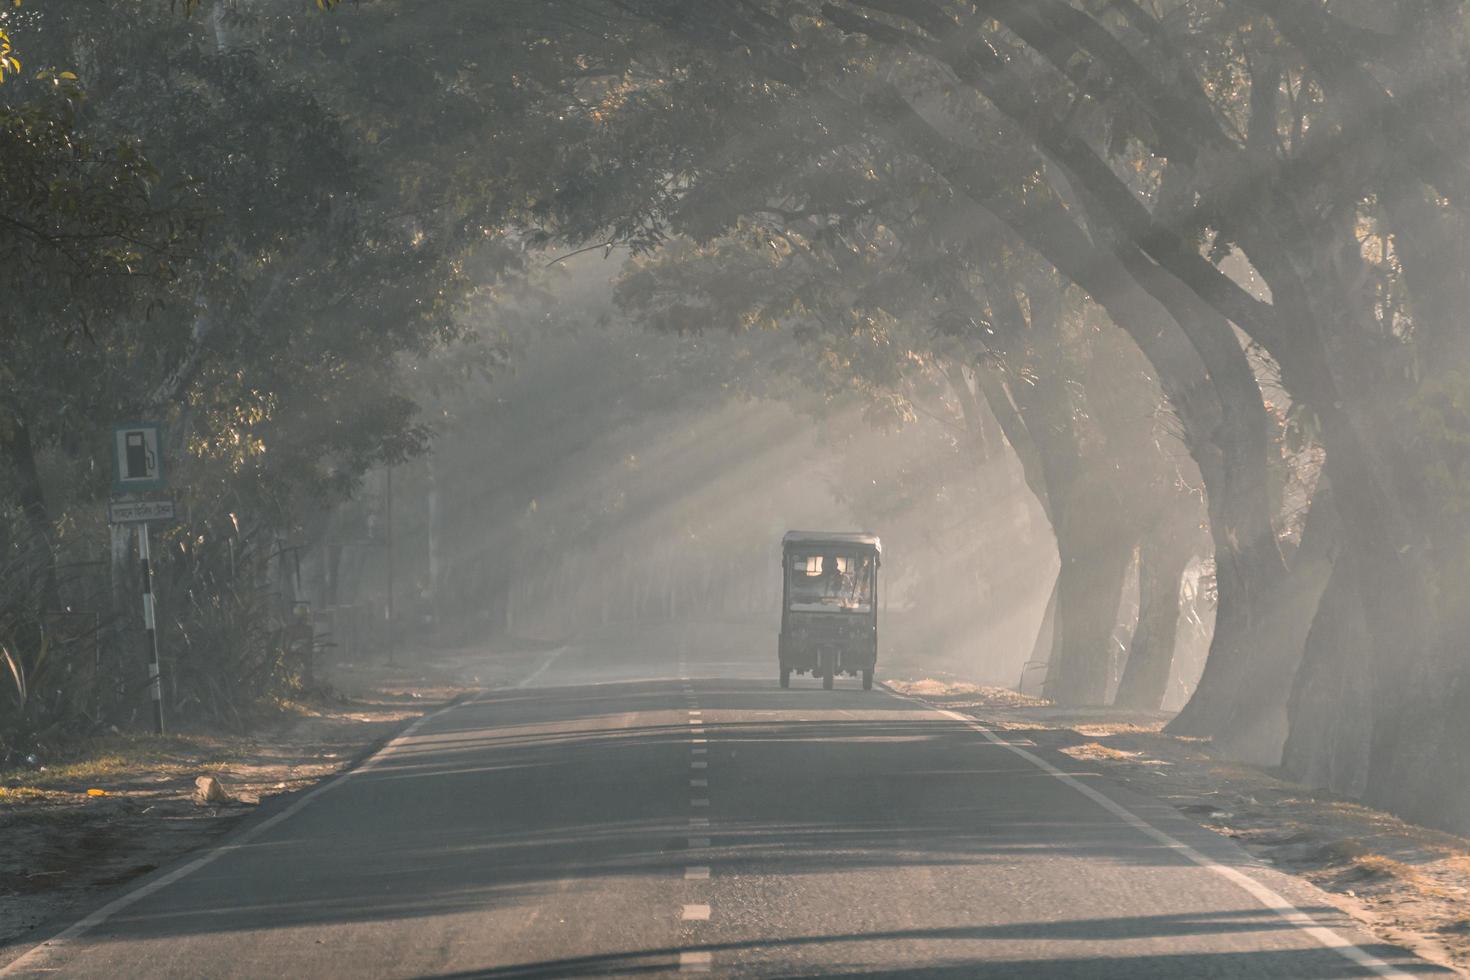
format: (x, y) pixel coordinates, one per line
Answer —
(861, 539)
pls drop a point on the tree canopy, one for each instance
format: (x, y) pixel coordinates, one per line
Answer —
(1199, 264)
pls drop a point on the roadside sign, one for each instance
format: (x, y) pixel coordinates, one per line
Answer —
(137, 457)
(140, 511)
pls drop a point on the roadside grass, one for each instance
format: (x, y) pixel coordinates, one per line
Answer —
(1459, 864)
(108, 758)
(97, 760)
(1362, 864)
(990, 697)
(1096, 750)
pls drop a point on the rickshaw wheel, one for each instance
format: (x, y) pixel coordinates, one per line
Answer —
(785, 676)
(868, 680)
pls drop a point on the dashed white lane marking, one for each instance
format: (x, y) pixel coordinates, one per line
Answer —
(1261, 893)
(699, 782)
(699, 750)
(695, 711)
(695, 721)
(33, 960)
(696, 731)
(695, 913)
(698, 822)
(699, 802)
(696, 843)
(698, 765)
(697, 872)
(694, 962)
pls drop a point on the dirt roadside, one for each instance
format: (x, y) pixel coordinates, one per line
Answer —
(1406, 884)
(120, 806)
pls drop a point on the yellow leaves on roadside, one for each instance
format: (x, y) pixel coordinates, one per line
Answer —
(9, 63)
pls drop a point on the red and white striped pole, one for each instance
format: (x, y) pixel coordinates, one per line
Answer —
(155, 679)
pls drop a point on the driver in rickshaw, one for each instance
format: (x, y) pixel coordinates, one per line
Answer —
(838, 583)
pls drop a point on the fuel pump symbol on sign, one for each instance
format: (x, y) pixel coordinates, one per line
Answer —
(137, 458)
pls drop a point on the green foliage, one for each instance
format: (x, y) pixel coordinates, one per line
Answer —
(1438, 437)
(49, 688)
(249, 257)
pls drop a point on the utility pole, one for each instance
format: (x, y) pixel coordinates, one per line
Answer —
(388, 536)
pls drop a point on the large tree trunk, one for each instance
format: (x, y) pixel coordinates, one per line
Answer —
(1416, 763)
(1045, 643)
(31, 495)
(1244, 708)
(1249, 668)
(1240, 701)
(1331, 710)
(1095, 550)
(1207, 379)
(1165, 552)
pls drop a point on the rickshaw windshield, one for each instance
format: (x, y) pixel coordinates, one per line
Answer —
(827, 582)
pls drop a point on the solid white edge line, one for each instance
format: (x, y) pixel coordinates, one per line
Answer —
(1261, 893)
(536, 675)
(82, 926)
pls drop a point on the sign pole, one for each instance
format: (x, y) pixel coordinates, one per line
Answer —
(155, 679)
(388, 531)
(137, 468)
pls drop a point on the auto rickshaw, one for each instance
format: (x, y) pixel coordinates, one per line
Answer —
(829, 609)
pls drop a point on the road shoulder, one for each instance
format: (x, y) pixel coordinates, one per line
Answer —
(1404, 884)
(116, 808)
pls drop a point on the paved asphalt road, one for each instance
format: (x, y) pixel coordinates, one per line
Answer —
(613, 818)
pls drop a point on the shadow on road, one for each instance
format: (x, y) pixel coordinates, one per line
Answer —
(522, 793)
(776, 958)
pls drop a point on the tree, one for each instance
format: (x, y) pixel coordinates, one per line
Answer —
(1269, 134)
